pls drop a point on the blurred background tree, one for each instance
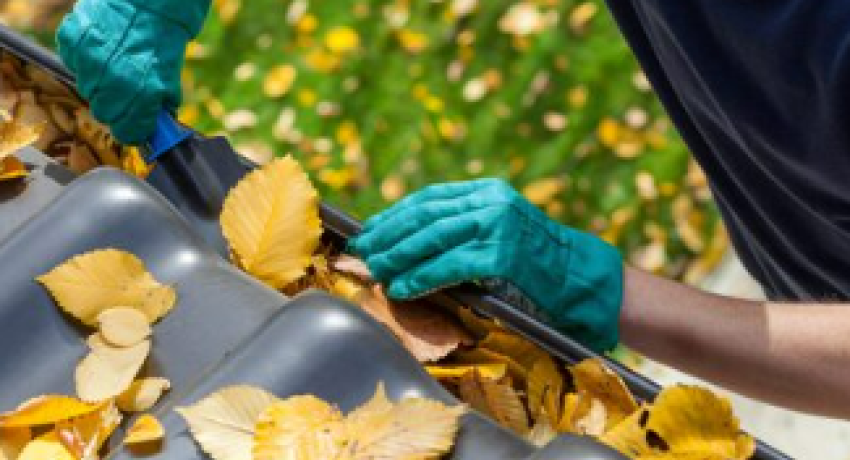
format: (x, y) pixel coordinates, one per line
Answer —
(379, 98)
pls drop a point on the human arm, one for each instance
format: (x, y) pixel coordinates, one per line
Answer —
(794, 355)
(127, 56)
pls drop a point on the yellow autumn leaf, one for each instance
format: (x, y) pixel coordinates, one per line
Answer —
(474, 323)
(88, 284)
(300, 427)
(544, 389)
(12, 441)
(279, 80)
(489, 371)
(542, 432)
(498, 400)
(342, 40)
(15, 135)
(46, 410)
(84, 436)
(146, 429)
(412, 41)
(12, 168)
(108, 371)
(413, 428)
(593, 419)
(123, 327)
(224, 423)
(133, 163)
(569, 413)
(513, 346)
(477, 356)
(142, 394)
(593, 380)
(45, 447)
(271, 221)
(689, 421)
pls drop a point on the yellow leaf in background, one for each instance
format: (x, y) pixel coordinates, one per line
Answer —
(227, 9)
(544, 388)
(593, 380)
(88, 284)
(46, 447)
(413, 42)
(142, 394)
(543, 191)
(271, 221)
(489, 371)
(12, 168)
(107, 372)
(342, 40)
(146, 429)
(123, 327)
(224, 422)
(300, 427)
(609, 133)
(12, 442)
(84, 436)
(686, 421)
(413, 428)
(499, 401)
(46, 410)
(279, 80)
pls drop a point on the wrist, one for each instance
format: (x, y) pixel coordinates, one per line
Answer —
(594, 288)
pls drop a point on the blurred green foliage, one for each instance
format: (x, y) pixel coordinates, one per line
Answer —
(379, 98)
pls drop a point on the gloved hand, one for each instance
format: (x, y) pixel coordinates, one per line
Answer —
(483, 229)
(127, 56)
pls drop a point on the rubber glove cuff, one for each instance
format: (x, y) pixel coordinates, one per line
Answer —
(577, 283)
(593, 293)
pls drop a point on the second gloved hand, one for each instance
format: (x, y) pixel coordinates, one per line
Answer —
(127, 56)
(483, 229)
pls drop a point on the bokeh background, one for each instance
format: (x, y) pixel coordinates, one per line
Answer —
(378, 98)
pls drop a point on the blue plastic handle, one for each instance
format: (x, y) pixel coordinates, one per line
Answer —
(169, 134)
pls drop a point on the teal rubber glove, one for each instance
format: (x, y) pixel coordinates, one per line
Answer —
(485, 230)
(127, 56)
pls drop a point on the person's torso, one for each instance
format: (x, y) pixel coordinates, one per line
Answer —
(759, 91)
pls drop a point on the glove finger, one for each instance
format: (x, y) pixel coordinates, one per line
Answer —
(438, 237)
(468, 262)
(103, 31)
(429, 193)
(414, 217)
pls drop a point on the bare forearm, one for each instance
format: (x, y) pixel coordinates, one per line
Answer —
(794, 355)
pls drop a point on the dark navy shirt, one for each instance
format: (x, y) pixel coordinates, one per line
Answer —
(760, 91)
